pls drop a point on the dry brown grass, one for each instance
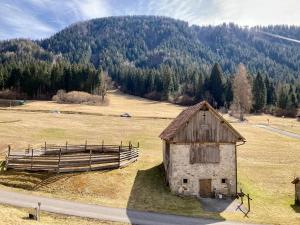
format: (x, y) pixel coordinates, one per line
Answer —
(118, 104)
(266, 163)
(18, 216)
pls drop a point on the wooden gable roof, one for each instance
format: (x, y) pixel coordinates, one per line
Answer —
(180, 122)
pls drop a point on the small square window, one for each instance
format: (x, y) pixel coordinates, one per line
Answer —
(185, 181)
(223, 181)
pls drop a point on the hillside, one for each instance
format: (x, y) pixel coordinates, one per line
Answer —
(148, 56)
(148, 42)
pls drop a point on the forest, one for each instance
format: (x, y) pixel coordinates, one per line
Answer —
(159, 58)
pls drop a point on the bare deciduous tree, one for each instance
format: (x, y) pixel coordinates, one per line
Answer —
(242, 95)
(103, 85)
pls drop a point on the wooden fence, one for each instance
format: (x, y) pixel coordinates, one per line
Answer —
(72, 158)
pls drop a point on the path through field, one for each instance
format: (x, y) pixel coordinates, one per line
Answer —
(280, 131)
(104, 213)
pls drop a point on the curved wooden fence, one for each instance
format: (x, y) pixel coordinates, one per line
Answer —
(72, 158)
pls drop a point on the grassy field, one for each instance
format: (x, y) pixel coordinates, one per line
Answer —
(266, 163)
(19, 216)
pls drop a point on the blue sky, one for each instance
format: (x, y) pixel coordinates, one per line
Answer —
(38, 19)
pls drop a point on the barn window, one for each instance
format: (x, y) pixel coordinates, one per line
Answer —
(185, 181)
(223, 181)
(205, 153)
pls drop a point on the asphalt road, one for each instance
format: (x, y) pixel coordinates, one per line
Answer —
(280, 131)
(103, 213)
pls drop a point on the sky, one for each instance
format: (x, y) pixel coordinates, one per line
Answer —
(37, 19)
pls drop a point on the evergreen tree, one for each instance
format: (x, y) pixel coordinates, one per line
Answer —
(271, 94)
(282, 99)
(199, 88)
(167, 82)
(228, 93)
(216, 87)
(259, 93)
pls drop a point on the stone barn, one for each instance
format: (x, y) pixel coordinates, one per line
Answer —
(199, 153)
(296, 181)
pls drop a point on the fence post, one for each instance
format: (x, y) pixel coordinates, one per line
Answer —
(130, 149)
(90, 159)
(138, 145)
(31, 159)
(58, 164)
(119, 156)
(38, 211)
(45, 146)
(66, 146)
(7, 157)
(85, 147)
(102, 145)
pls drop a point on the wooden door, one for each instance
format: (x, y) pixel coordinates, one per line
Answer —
(205, 188)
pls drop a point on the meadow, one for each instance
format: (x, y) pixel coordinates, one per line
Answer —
(267, 163)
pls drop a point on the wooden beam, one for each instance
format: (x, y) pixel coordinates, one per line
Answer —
(31, 159)
(90, 159)
(58, 163)
(7, 157)
(120, 155)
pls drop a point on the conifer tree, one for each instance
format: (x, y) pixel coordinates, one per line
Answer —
(228, 93)
(259, 93)
(282, 99)
(216, 87)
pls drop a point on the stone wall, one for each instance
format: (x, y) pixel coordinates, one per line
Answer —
(180, 168)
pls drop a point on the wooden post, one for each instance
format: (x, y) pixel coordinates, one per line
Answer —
(129, 148)
(31, 158)
(66, 146)
(119, 156)
(7, 157)
(45, 146)
(138, 145)
(59, 156)
(38, 212)
(90, 159)
(85, 147)
(120, 147)
(249, 199)
(102, 145)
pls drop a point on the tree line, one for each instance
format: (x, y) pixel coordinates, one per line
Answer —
(257, 93)
(241, 91)
(41, 79)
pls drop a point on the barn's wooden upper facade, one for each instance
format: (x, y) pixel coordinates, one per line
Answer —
(200, 123)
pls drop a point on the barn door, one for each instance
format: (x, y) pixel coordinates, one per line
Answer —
(205, 188)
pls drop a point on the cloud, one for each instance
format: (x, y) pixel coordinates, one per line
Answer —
(42, 18)
(89, 9)
(37, 19)
(258, 12)
(17, 22)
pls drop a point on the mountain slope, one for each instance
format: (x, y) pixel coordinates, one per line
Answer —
(148, 42)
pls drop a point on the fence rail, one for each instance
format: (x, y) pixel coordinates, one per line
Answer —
(72, 158)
